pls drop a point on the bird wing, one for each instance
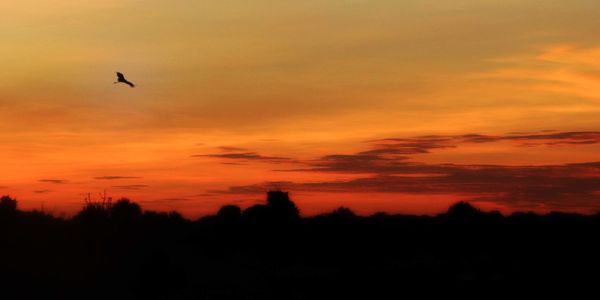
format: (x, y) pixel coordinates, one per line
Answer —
(129, 83)
(120, 76)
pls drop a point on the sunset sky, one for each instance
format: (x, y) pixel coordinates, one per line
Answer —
(402, 106)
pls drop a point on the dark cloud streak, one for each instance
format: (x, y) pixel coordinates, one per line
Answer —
(53, 181)
(42, 191)
(116, 177)
(131, 186)
(231, 149)
(569, 185)
(389, 167)
(248, 156)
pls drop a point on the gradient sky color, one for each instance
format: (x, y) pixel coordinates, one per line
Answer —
(399, 106)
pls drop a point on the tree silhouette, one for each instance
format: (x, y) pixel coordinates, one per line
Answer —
(8, 206)
(281, 208)
(342, 213)
(125, 213)
(229, 212)
(269, 251)
(256, 214)
(94, 217)
(463, 210)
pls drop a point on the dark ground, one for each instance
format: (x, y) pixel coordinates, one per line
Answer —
(269, 252)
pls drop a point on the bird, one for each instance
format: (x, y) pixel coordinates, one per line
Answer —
(121, 78)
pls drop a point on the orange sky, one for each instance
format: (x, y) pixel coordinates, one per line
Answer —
(336, 101)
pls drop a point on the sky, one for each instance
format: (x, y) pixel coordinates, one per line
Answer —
(401, 106)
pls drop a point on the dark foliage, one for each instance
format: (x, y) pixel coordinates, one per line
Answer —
(268, 251)
(8, 207)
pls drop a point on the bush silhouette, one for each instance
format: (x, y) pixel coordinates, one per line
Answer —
(269, 251)
(93, 215)
(256, 213)
(463, 210)
(124, 212)
(229, 212)
(279, 213)
(342, 213)
(8, 206)
(228, 221)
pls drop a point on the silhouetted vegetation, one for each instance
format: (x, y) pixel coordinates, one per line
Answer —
(267, 251)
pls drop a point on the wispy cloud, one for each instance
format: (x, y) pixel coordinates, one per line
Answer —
(424, 144)
(231, 149)
(131, 186)
(166, 201)
(116, 177)
(386, 168)
(564, 69)
(574, 185)
(246, 156)
(42, 191)
(54, 181)
(391, 155)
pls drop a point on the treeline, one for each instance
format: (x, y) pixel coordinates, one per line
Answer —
(268, 251)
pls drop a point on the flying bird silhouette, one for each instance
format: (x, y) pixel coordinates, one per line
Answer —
(121, 78)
